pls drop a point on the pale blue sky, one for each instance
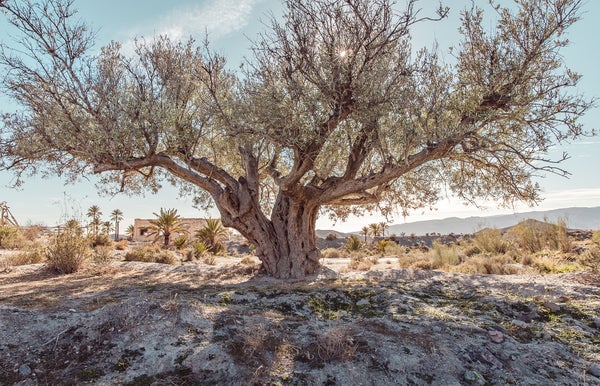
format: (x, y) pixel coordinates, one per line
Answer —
(230, 23)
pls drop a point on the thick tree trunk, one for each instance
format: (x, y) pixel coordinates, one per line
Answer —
(285, 244)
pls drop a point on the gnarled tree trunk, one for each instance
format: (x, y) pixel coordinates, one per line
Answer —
(285, 244)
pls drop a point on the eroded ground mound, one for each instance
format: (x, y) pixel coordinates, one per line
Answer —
(142, 324)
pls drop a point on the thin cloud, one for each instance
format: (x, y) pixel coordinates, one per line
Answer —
(217, 17)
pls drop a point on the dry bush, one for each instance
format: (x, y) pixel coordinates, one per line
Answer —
(488, 265)
(421, 264)
(382, 245)
(545, 263)
(533, 236)
(444, 256)
(34, 254)
(210, 259)
(596, 237)
(11, 237)
(121, 245)
(32, 232)
(247, 261)
(166, 257)
(335, 344)
(394, 249)
(68, 251)
(331, 253)
(360, 263)
(101, 240)
(490, 241)
(103, 254)
(591, 258)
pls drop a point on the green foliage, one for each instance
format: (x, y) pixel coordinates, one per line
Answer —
(150, 254)
(200, 249)
(167, 222)
(11, 237)
(68, 251)
(382, 245)
(353, 243)
(213, 234)
(181, 242)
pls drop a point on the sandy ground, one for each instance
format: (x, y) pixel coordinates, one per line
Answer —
(141, 324)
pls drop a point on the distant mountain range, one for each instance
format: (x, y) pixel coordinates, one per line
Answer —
(576, 218)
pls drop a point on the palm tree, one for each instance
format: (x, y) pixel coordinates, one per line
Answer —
(365, 232)
(117, 216)
(94, 214)
(130, 231)
(106, 227)
(167, 222)
(375, 229)
(212, 234)
(384, 226)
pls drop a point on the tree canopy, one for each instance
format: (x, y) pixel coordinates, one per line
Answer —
(336, 111)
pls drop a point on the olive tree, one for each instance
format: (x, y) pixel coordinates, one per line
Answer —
(335, 112)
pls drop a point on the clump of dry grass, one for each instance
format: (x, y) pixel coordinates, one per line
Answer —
(335, 343)
(534, 236)
(360, 263)
(103, 254)
(34, 254)
(247, 261)
(490, 241)
(121, 245)
(331, 253)
(444, 256)
(488, 265)
(11, 237)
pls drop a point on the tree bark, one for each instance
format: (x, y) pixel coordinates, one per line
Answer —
(285, 244)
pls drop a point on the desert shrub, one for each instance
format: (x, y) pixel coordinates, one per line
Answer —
(353, 243)
(472, 250)
(103, 254)
(488, 265)
(443, 255)
(121, 245)
(165, 257)
(181, 242)
(32, 232)
(335, 344)
(200, 249)
(101, 240)
(210, 259)
(11, 237)
(382, 245)
(151, 254)
(360, 263)
(544, 263)
(421, 264)
(331, 253)
(490, 241)
(395, 249)
(526, 259)
(247, 261)
(533, 236)
(34, 254)
(591, 258)
(596, 237)
(68, 251)
(331, 237)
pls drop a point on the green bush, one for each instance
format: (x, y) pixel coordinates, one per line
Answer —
(181, 242)
(151, 254)
(68, 251)
(353, 243)
(200, 249)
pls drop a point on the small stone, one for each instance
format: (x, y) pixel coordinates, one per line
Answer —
(518, 323)
(496, 336)
(363, 302)
(594, 369)
(72, 310)
(553, 307)
(474, 378)
(597, 322)
(24, 370)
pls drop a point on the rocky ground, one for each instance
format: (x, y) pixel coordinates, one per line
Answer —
(149, 324)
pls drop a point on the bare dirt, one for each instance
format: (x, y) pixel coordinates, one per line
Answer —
(150, 324)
